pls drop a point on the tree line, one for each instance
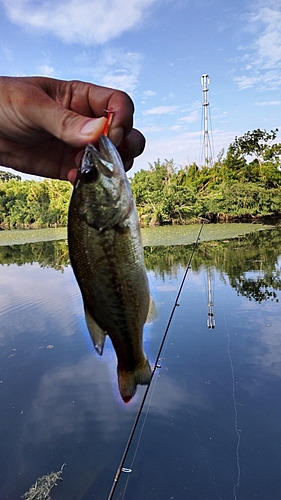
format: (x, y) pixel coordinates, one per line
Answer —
(33, 204)
(244, 182)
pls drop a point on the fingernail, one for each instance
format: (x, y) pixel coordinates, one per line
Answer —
(94, 126)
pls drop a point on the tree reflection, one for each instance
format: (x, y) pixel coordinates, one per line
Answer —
(52, 254)
(250, 262)
(258, 290)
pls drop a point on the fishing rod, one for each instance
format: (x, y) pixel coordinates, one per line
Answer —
(121, 467)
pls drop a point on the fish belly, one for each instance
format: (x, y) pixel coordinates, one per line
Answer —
(110, 271)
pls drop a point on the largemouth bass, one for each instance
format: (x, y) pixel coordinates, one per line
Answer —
(106, 254)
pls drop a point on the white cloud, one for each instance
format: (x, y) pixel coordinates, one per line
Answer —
(160, 110)
(121, 80)
(191, 118)
(268, 103)
(78, 21)
(268, 42)
(113, 68)
(171, 95)
(220, 114)
(122, 72)
(264, 80)
(152, 129)
(264, 52)
(149, 93)
(245, 82)
(175, 127)
(46, 70)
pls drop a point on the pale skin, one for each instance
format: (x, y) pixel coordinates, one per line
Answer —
(46, 123)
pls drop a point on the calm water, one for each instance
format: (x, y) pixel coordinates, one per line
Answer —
(211, 427)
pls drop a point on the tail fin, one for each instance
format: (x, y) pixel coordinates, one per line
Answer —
(128, 381)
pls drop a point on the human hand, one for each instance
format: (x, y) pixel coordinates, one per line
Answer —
(46, 123)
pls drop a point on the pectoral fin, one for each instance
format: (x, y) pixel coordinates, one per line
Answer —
(97, 333)
(152, 314)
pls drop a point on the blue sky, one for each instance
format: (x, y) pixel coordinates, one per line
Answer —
(157, 51)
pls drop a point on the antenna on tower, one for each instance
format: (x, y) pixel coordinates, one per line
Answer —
(205, 81)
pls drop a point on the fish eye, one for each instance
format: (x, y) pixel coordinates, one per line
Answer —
(90, 174)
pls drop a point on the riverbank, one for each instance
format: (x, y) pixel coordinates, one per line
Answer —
(154, 236)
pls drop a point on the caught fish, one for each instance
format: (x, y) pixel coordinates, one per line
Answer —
(106, 254)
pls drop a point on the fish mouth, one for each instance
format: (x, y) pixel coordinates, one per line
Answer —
(107, 149)
(96, 160)
(104, 159)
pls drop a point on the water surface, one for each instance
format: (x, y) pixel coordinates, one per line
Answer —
(211, 426)
(163, 235)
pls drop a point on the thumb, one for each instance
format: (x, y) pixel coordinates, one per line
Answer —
(66, 125)
(74, 129)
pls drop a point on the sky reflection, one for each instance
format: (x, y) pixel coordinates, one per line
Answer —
(212, 412)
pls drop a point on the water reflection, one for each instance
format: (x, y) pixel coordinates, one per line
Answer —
(213, 411)
(46, 253)
(249, 262)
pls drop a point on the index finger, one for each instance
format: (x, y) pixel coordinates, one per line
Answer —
(90, 100)
(102, 99)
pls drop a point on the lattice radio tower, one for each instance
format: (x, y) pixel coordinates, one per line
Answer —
(208, 156)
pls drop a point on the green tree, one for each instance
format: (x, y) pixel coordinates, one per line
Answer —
(6, 176)
(34, 203)
(258, 144)
(265, 165)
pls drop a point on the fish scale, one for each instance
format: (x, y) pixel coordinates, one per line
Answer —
(106, 254)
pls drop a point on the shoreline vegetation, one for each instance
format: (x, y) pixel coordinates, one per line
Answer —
(249, 261)
(243, 185)
(151, 236)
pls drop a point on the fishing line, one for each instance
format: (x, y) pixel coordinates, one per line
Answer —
(139, 440)
(205, 458)
(237, 432)
(121, 467)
